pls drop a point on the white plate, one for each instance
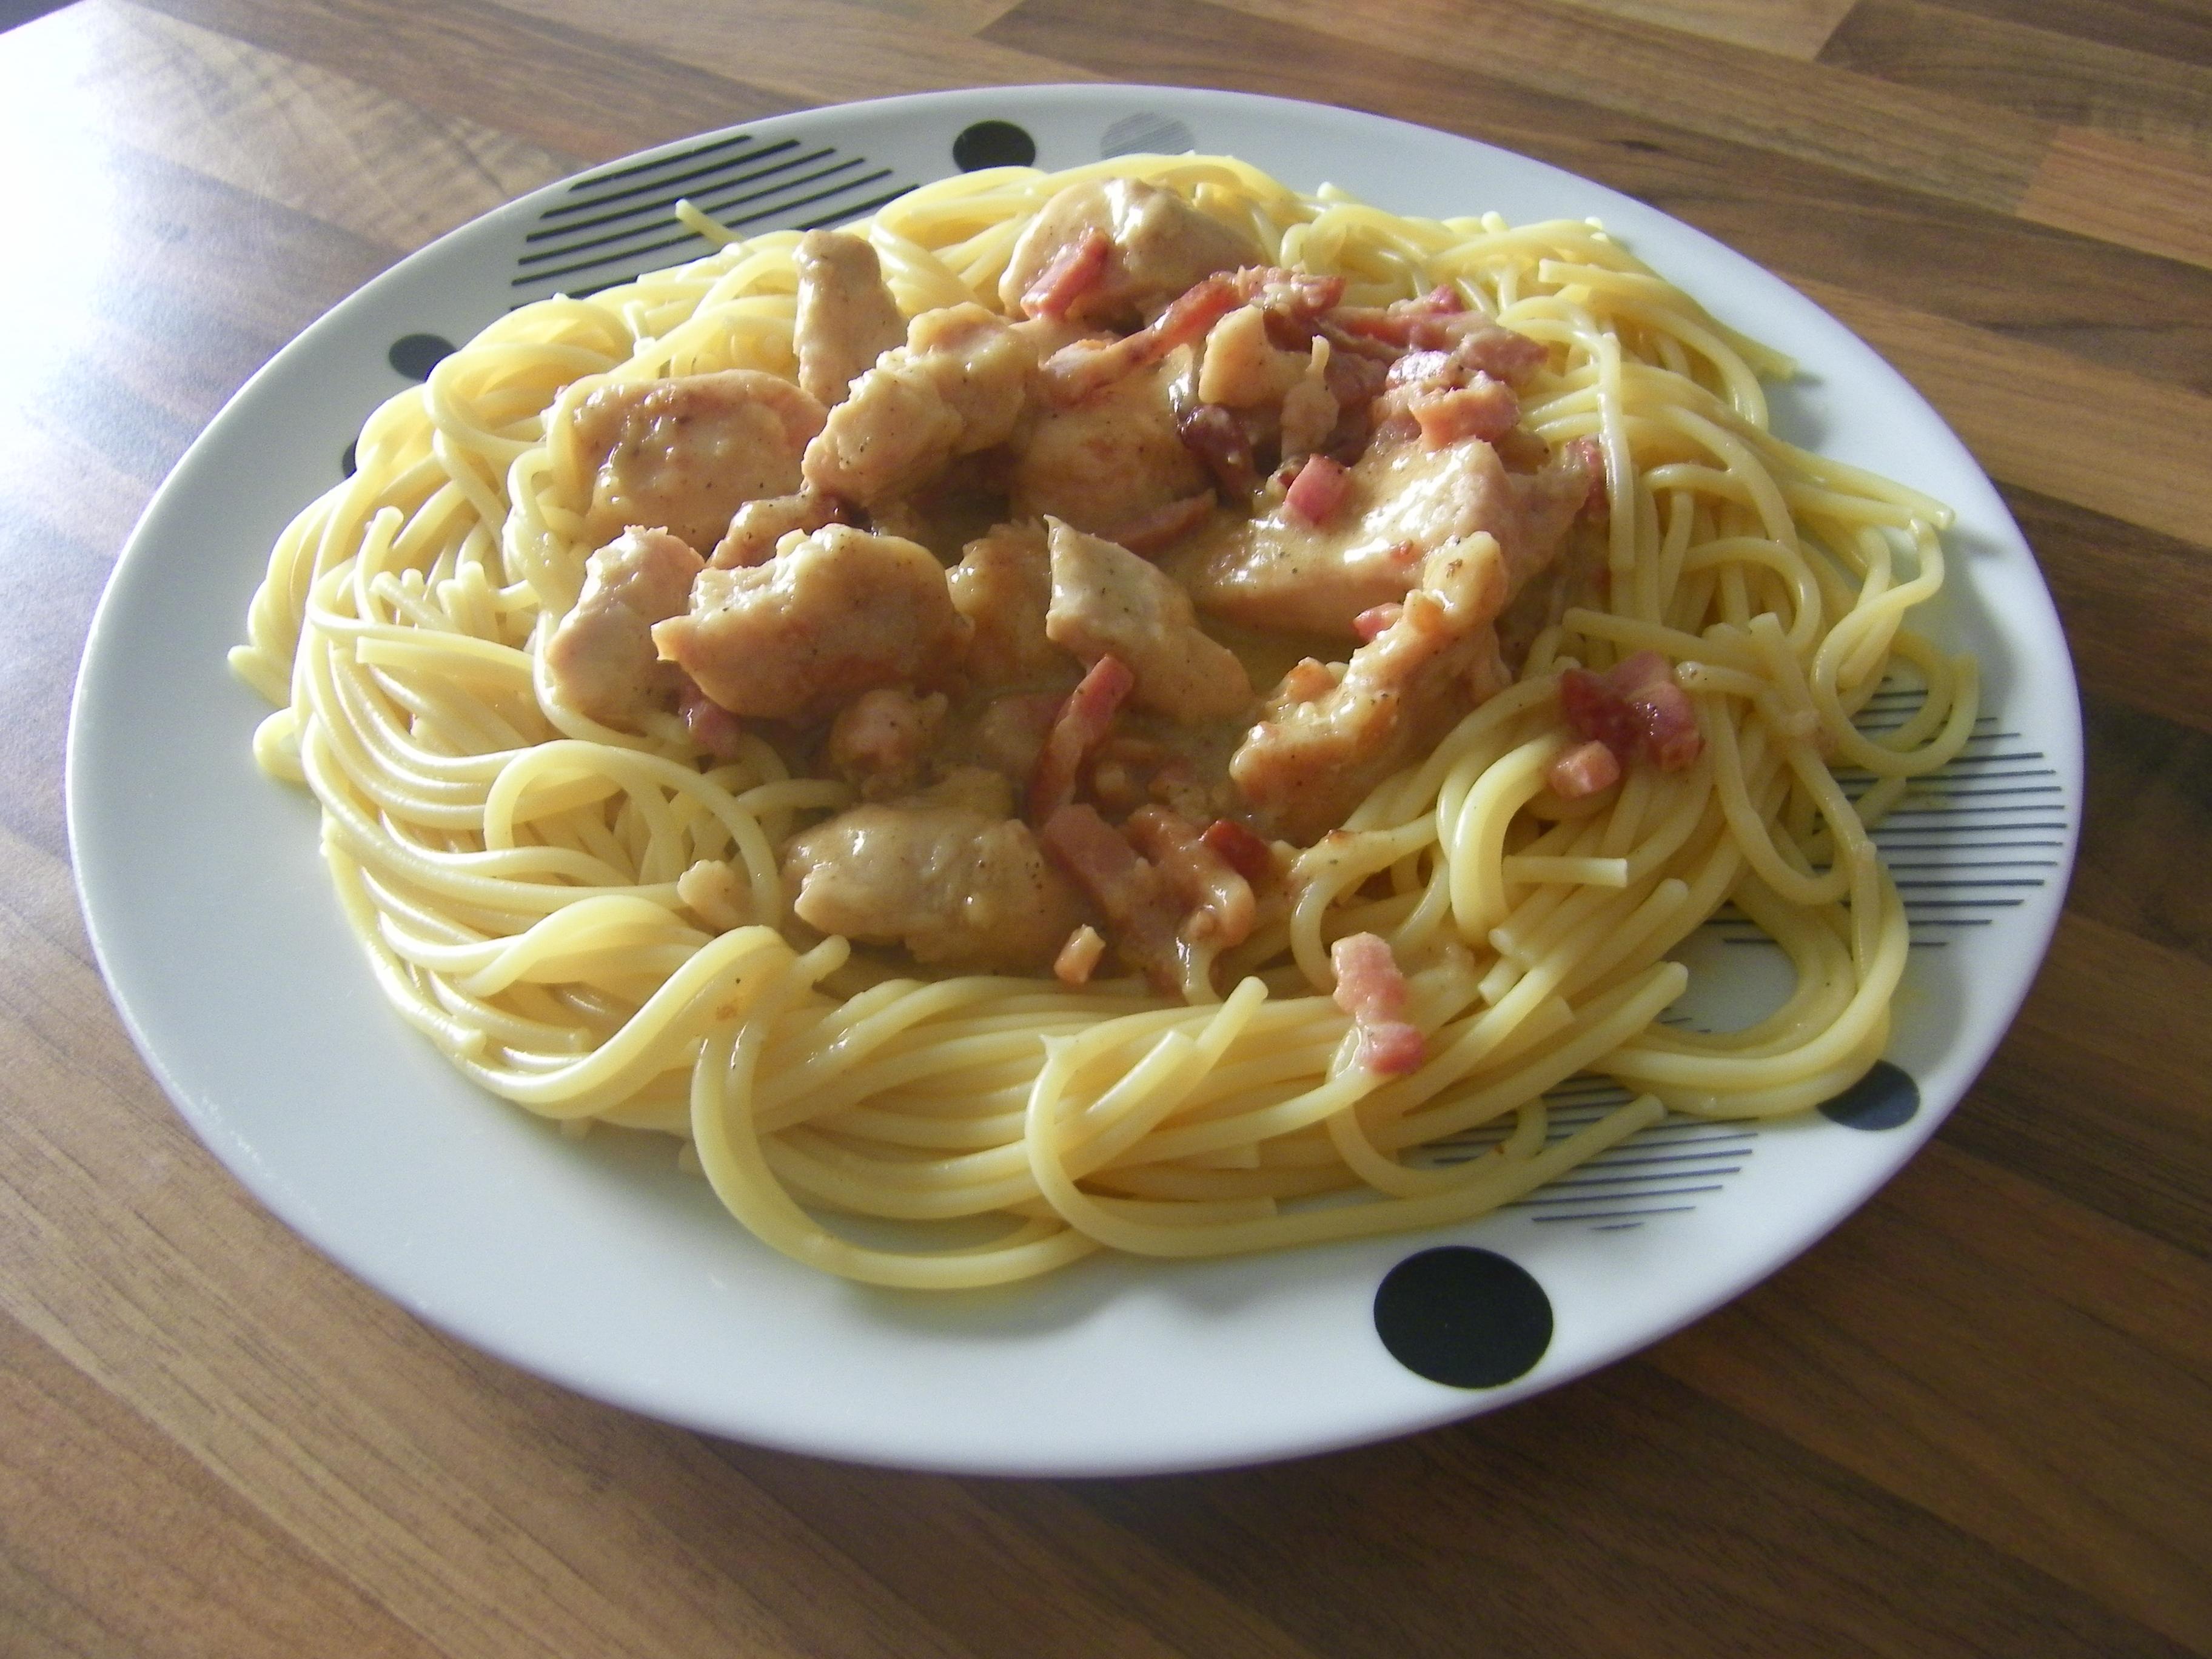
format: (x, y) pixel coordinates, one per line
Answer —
(596, 1263)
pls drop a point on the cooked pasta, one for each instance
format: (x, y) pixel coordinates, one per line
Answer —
(594, 920)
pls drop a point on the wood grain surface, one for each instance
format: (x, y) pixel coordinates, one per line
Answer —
(1976, 1420)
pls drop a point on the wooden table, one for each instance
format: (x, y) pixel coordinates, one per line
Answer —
(1977, 1420)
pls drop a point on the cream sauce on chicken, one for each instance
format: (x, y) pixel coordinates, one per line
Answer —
(1104, 606)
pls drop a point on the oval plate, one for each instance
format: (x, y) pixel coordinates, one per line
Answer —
(597, 1264)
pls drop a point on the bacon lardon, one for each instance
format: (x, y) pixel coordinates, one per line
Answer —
(1372, 989)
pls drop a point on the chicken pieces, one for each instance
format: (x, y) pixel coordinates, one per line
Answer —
(959, 884)
(1107, 460)
(1106, 601)
(847, 317)
(683, 454)
(1097, 755)
(956, 386)
(1151, 246)
(1325, 742)
(832, 615)
(1401, 502)
(601, 659)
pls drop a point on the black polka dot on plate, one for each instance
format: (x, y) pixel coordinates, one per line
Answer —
(349, 463)
(416, 355)
(1467, 1318)
(1885, 1098)
(994, 144)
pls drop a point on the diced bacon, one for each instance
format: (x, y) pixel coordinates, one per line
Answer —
(1132, 895)
(1078, 959)
(1368, 985)
(1164, 527)
(1082, 721)
(710, 725)
(1191, 313)
(1486, 408)
(1092, 851)
(1319, 489)
(1632, 673)
(1288, 293)
(1353, 380)
(1075, 371)
(1220, 907)
(1397, 323)
(1637, 709)
(1583, 770)
(1242, 851)
(1217, 437)
(1671, 737)
(1372, 989)
(1393, 1049)
(1511, 356)
(1599, 714)
(1338, 329)
(1373, 620)
(1473, 341)
(1074, 271)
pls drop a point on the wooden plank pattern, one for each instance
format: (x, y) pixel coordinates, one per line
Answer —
(1933, 142)
(820, 49)
(2027, 411)
(1977, 1421)
(566, 89)
(2138, 195)
(2031, 70)
(1793, 28)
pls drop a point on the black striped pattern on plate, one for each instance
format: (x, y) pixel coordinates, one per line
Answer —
(612, 226)
(1964, 844)
(1663, 1171)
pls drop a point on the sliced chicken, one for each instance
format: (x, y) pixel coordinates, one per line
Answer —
(1325, 742)
(1107, 460)
(1241, 367)
(1155, 245)
(1400, 502)
(954, 883)
(758, 525)
(683, 454)
(847, 317)
(958, 385)
(832, 615)
(601, 659)
(1106, 601)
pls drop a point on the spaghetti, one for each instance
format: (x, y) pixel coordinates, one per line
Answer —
(523, 877)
